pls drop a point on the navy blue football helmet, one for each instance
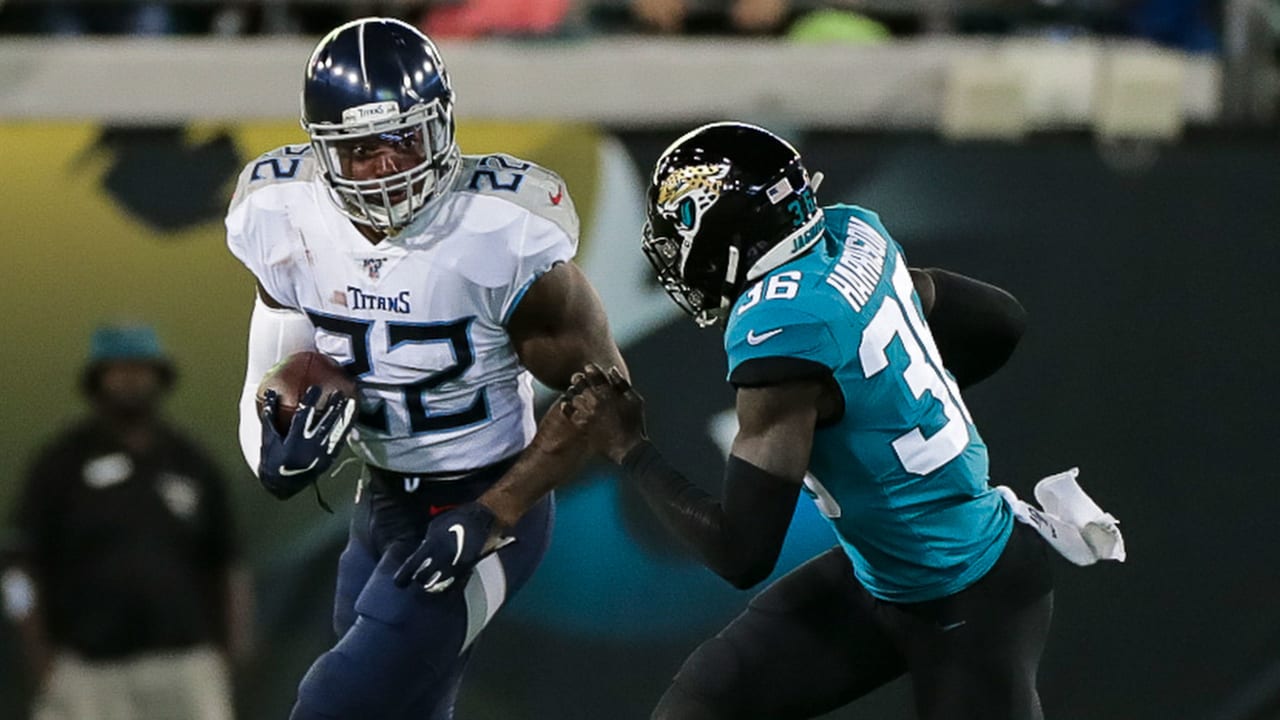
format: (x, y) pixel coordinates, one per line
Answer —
(727, 203)
(381, 79)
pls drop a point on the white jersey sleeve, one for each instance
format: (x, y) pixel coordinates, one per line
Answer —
(273, 335)
(259, 235)
(259, 231)
(541, 224)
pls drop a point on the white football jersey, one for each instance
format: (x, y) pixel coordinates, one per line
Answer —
(419, 319)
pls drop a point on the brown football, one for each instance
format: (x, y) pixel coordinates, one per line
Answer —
(291, 377)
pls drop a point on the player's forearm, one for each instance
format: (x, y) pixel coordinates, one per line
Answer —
(553, 458)
(976, 325)
(740, 539)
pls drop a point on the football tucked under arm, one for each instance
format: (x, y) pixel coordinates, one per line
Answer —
(274, 334)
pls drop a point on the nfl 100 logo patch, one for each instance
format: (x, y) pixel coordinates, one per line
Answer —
(373, 267)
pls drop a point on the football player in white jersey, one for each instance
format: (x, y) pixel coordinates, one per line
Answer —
(442, 283)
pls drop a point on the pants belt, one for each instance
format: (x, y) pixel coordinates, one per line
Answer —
(402, 484)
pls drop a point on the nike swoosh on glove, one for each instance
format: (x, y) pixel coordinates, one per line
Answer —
(290, 463)
(456, 540)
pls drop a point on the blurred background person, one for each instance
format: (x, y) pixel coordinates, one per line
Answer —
(73, 19)
(738, 17)
(471, 19)
(128, 593)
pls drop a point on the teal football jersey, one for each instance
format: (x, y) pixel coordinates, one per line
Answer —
(902, 476)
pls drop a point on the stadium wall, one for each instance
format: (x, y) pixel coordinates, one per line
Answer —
(948, 83)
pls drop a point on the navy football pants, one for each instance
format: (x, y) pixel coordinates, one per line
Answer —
(402, 651)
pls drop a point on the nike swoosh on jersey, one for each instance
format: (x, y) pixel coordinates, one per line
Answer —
(555, 199)
(754, 339)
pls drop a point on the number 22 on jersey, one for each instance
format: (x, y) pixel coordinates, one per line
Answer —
(899, 318)
(454, 334)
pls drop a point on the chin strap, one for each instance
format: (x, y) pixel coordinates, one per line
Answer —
(710, 317)
(320, 498)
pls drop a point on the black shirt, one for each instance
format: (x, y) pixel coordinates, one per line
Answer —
(129, 549)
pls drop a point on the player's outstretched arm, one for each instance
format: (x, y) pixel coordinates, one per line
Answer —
(976, 325)
(457, 539)
(741, 537)
(558, 327)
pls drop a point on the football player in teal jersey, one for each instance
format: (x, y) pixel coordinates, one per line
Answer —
(848, 367)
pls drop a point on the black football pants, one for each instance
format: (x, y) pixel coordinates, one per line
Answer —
(816, 640)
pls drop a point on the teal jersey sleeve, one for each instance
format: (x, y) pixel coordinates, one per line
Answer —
(780, 337)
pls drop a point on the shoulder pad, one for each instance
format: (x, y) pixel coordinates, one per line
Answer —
(840, 215)
(529, 185)
(285, 164)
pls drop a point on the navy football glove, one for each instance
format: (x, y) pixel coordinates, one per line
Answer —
(456, 540)
(292, 462)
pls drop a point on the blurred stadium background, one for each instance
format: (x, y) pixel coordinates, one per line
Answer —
(1114, 163)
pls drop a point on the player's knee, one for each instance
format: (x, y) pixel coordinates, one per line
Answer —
(679, 704)
(338, 686)
(343, 687)
(377, 670)
(344, 615)
(707, 687)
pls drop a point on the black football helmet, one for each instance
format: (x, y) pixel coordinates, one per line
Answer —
(381, 78)
(726, 204)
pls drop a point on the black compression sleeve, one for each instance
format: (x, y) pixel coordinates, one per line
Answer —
(739, 540)
(976, 325)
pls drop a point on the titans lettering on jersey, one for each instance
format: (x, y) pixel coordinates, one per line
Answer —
(357, 299)
(420, 318)
(902, 475)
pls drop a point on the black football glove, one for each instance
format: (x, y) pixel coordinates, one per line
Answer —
(290, 463)
(456, 540)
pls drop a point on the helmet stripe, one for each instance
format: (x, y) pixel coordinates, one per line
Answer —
(364, 70)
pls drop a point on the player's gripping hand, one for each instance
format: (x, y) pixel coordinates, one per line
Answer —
(297, 459)
(456, 540)
(605, 408)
